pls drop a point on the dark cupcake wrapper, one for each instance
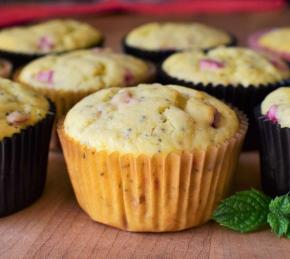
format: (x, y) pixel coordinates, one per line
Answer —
(23, 165)
(274, 155)
(244, 98)
(158, 56)
(18, 59)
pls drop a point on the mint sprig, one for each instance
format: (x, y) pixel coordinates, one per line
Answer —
(250, 210)
(245, 211)
(279, 216)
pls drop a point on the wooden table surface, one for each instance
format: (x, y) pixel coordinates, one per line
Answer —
(55, 227)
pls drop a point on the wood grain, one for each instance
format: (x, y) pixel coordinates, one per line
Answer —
(55, 227)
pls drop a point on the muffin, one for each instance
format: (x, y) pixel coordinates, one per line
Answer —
(21, 44)
(156, 41)
(274, 41)
(5, 68)
(146, 159)
(273, 117)
(26, 119)
(69, 77)
(239, 76)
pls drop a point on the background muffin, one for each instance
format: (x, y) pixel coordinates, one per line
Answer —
(274, 41)
(69, 77)
(148, 141)
(239, 76)
(26, 120)
(156, 41)
(24, 43)
(274, 127)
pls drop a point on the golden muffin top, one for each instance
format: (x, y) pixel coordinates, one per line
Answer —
(20, 107)
(277, 39)
(51, 36)
(85, 70)
(150, 119)
(176, 36)
(226, 66)
(276, 106)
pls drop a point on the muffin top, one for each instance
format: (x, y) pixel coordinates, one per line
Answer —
(176, 36)
(150, 119)
(87, 70)
(276, 106)
(226, 66)
(277, 39)
(20, 107)
(50, 36)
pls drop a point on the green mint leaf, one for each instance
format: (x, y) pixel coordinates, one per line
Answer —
(244, 211)
(279, 216)
(279, 224)
(281, 205)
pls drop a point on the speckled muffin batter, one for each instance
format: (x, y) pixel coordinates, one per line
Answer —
(150, 119)
(85, 70)
(50, 36)
(176, 36)
(226, 66)
(276, 106)
(19, 108)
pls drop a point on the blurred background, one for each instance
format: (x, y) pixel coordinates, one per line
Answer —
(15, 11)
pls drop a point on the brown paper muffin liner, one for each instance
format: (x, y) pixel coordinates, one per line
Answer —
(244, 98)
(157, 56)
(274, 156)
(23, 164)
(151, 193)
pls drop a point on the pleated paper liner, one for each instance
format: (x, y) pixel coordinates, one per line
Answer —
(151, 193)
(157, 56)
(19, 59)
(244, 98)
(65, 100)
(23, 164)
(274, 156)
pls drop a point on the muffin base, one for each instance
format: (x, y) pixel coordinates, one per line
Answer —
(274, 156)
(23, 163)
(244, 98)
(158, 56)
(156, 193)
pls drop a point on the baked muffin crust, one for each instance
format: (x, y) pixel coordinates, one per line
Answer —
(276, 106)
(51, 36)
(85, 70)
(150, 119)
(226, 66)
(176, 36)
(19, 108)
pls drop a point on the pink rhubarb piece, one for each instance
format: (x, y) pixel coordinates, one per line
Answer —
(272, 114)
(16, 118)
(216, 119)
(45, 76)
(129, 78)
(210, 64)
(45, 43)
